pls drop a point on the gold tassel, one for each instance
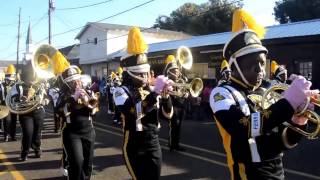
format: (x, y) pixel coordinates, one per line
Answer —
(119, 70)
(170, 59)
(243, 20)
(224, 65)
(60, 63)
(10, 69)
(274, 67)
(136, 43)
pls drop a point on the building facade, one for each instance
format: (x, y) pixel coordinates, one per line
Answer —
(294, 45)
(99, 42)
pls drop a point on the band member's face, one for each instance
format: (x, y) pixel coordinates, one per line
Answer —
(227, 75)
(253, 67)
(9, 82)
(174, 74)
(283, 77)
(140, 83)
(75, 84)
(151, 73)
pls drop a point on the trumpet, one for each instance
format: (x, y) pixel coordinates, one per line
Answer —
(195, 88)
(91, 101)
(271, 96)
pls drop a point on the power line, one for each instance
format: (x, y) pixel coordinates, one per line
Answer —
(22, 22)
(117, 14)
(153, 27)
(80, 7)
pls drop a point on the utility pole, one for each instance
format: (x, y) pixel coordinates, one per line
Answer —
(18, 43)
(51, 8)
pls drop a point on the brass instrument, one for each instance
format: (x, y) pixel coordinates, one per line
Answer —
(184, 57)
(29, 103)
(4, 111)
(91, 101)
(44, 61)
(195, 88)
(271, 96)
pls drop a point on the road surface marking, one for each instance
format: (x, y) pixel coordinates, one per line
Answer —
(311, 176)
(10, 167)
(166, 141)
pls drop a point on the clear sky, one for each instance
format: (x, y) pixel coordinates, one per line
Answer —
(72, 20)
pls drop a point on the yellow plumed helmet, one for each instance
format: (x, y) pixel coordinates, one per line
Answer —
(224, 65)
(243, 20)
(119, 70)
(10, 69)
(136, 43)
(170, 59)
(274, 66)
(60, 63)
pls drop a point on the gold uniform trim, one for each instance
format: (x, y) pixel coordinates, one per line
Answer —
(226, 138)
(242, 171)
(127, 162)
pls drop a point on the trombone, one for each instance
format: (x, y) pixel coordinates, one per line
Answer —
(271, 96)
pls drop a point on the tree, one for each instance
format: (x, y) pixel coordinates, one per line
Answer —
(211, 17)
(296, 10)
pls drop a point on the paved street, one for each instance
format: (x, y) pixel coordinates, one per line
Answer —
(204, 158)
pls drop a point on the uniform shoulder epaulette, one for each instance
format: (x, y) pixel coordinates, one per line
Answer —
(221, 99)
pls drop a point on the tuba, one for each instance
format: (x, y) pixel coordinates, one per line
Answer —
(272, 95)
(184, 57)
(44, 64)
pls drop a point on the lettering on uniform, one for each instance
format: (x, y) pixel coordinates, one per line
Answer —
(255, 124)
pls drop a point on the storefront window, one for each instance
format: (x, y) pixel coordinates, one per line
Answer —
(305, 69)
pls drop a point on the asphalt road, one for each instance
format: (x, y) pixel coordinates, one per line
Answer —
(204, 158)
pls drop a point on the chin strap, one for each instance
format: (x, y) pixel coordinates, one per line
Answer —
(144, 80)
(233, 60)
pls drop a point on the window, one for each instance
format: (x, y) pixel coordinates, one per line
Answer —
(305, 69)
(199, 70)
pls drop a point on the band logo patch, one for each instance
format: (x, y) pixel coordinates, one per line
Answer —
(117, 93)
(218, 97)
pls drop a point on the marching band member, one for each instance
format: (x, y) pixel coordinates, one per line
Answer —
(172, 71)
(9, 122)
(253, 139)
(109, 90)
(278, 74)
(225, 72)
(140, 107)
(116, 83)
(54, 93)
(78, 133)
(31, 122)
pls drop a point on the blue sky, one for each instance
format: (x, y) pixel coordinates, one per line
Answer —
(64, 20)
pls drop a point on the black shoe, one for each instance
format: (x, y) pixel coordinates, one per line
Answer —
(179, 148)
(23, 157)
(13, 139)
(37, 154)
(6, 138)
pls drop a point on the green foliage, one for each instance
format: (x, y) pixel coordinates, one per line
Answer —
(296, 10)
(211, 17)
